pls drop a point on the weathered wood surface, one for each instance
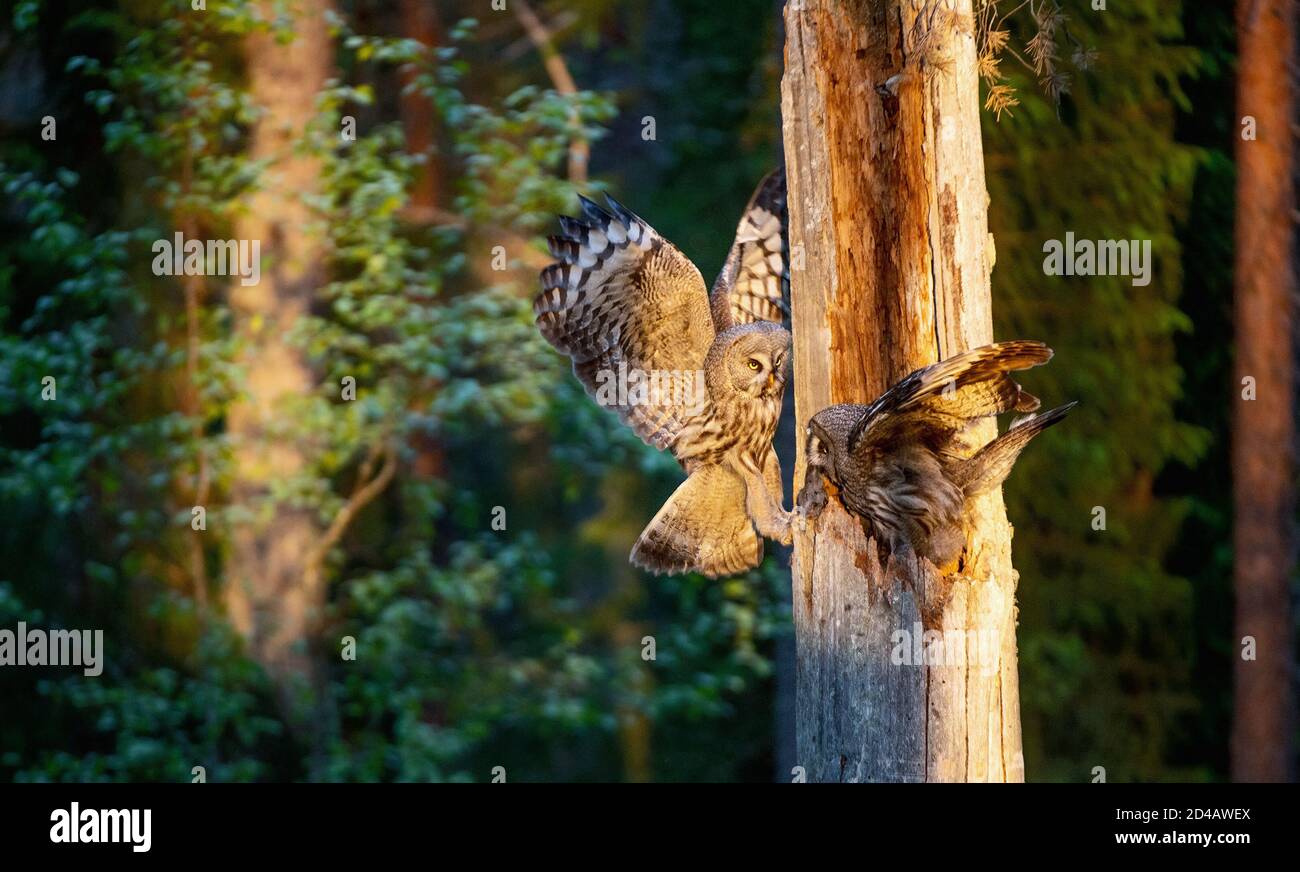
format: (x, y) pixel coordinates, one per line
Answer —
(891, 259)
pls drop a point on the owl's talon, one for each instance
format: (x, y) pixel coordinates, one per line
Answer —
(787, 530)
(782, 530)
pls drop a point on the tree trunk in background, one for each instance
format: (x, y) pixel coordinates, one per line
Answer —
(419, 123)
(270, 599)
(888, 210)
(420, 127)
(1263, 428)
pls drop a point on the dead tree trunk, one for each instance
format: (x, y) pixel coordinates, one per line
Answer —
(1263, 429)
(891, 257)
(272, 596)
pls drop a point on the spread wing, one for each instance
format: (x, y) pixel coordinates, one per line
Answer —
(935, 403)
(754, 284)
(632, 313)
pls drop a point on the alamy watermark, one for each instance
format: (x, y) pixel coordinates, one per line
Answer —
(1104, 257)
(36, 647)
(670, 389)
(215, 257)
(77, 825)
(981, 649)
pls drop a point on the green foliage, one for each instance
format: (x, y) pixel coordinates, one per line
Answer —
(1105, 628)
(475, 647)
(143, 722)
(522, 647)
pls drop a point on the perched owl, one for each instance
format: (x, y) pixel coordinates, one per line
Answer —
(902, 464)
(700, 374)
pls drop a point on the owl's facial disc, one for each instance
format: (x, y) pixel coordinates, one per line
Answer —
(754, 363)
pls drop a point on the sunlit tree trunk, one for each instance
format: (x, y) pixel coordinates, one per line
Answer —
(890, 271)
(1263, 430)
(272, 595)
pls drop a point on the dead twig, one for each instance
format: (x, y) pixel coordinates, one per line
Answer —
(579, 148)
(365, 491)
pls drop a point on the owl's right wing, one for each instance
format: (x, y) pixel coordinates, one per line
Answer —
(937, 402)
(629, 309)
(754, 284)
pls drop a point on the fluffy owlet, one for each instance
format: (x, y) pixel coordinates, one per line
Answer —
(902, 465)
(701, 374)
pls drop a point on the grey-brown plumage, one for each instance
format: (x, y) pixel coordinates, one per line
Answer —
(627, 306)
(902, 464)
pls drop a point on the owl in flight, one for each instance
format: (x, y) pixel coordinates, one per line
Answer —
(901, 464)
(701, 374)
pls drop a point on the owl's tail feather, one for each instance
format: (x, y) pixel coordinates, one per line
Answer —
(702, 528)
(991, 465)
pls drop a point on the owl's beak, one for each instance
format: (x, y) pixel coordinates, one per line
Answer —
(771, 380)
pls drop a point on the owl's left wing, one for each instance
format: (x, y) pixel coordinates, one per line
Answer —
(754, 284)
(940, 400)
(632, 313)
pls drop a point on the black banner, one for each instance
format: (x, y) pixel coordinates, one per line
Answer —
(333, 822)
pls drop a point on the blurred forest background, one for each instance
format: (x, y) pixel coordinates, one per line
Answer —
(522, 647)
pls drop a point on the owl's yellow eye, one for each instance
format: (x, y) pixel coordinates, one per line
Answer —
(753, 364)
